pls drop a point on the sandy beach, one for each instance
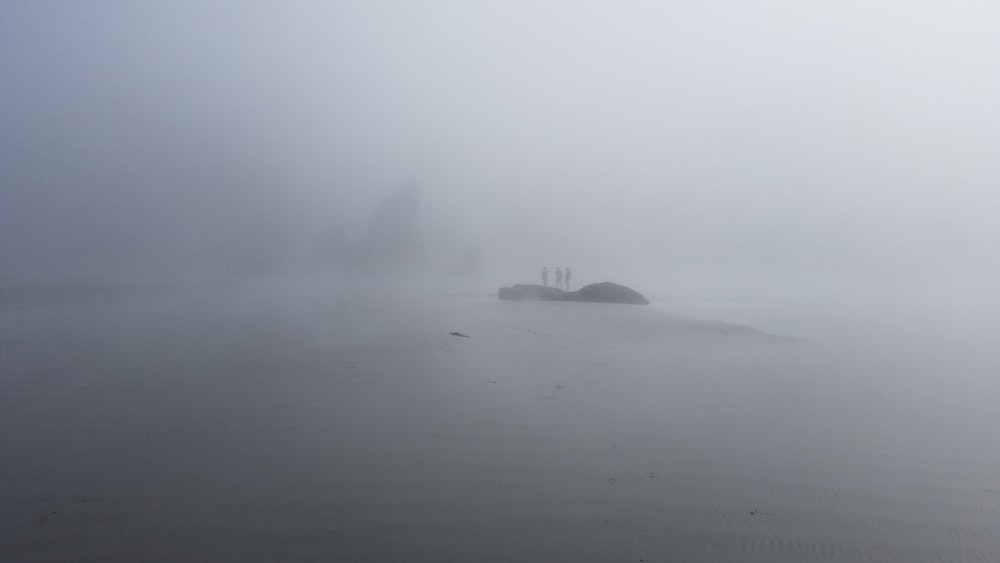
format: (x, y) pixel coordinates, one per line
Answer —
(266, 424)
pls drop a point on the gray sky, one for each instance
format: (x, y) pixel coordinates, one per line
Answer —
(854, 138)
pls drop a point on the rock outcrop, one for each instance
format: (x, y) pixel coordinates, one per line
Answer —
(393, 242)
(531, 292)
(605, 292)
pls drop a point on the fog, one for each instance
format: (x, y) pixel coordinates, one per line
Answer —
(250, 255)
(778, 146)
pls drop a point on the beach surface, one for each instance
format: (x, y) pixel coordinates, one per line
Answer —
(274, 423)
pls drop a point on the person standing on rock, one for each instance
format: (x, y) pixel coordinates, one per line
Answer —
(545, 276)
(559, 278)
(569, 275)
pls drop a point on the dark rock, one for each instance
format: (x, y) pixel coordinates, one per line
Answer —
(531, 292)
(605, 292)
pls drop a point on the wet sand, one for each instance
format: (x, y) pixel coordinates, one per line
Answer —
(274, 425)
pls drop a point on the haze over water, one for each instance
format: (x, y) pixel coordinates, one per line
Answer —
(225, 327)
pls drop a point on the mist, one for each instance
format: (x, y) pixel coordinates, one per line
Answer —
(721, 143)
(250, 255)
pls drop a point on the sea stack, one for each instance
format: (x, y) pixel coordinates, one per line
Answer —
(604, 292)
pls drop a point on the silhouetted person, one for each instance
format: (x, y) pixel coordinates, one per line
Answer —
(559, 278)
(545, 276)
(569, 275)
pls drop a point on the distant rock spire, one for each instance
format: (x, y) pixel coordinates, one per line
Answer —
(393, 242)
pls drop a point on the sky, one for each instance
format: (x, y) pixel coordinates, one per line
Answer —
(804, 140)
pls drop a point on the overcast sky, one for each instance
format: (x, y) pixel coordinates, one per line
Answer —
(780, 137)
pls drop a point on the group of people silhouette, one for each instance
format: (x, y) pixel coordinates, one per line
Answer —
(562, 280)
